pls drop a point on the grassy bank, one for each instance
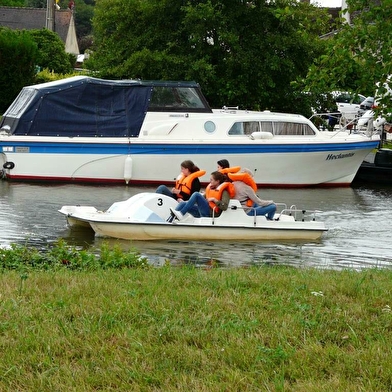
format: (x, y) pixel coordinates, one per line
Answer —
(122, 326)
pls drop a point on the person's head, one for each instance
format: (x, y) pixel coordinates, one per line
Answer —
(223, 164)
(216, 179)
(188, 167)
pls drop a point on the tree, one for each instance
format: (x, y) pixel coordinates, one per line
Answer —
(12, 3)
(359, 54)
(52, 53)
(83, 17)
(18, 52)
(36, 3)
(242, 53)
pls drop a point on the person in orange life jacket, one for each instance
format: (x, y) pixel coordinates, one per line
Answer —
(212, 203)
(224, 167)
(245, 193)
(186, 184)
(223, 164)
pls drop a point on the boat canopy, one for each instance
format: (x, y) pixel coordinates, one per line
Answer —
(90, 107)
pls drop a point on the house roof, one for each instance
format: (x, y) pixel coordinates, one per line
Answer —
(17, 18)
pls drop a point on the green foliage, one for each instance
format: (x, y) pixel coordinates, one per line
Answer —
(85, 43)
(22, 52)
(61, 256)
(37, 3)
(52, 53)
(359, 54)
(18, 53)
(12, 3)
(49, 76)
(242, 53)
(83, 18)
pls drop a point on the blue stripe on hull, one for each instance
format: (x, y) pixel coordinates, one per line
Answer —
(184, 149)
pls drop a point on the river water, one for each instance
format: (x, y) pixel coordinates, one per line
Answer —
(358, 219)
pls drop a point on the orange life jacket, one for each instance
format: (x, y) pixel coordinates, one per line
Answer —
(233, 169)
(247, 179)
(184, 184)
(217, 193)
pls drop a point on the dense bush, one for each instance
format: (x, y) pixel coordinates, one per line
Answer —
(23, 53)
(51, 52)
(18, 54)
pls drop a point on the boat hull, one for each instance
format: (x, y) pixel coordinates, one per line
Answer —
(274, 164)
(184, 232)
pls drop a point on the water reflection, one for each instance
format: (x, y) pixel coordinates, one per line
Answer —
(359, 235)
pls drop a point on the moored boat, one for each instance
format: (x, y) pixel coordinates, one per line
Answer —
(84, 129)
(376, 168)
(147, 216)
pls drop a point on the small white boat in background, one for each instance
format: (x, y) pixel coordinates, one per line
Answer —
(90, 130)
(146, 216)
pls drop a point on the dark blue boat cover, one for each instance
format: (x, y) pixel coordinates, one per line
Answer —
(82, 106)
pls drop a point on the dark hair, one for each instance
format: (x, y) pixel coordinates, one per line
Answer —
(190, 166)
(224, 163)
(218, 176)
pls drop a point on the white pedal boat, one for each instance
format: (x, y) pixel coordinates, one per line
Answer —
(145, 217)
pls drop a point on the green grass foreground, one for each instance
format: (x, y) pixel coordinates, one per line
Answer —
(71, 323)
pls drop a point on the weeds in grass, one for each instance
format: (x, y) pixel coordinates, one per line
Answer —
(23, 277)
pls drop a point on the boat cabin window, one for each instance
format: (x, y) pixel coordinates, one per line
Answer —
(292, 129)
(276, 128)
(267, 126)
(177, 99)
(244, 128)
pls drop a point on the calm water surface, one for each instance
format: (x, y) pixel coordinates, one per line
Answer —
(359, 222)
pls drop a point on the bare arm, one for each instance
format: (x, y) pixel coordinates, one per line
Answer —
(252, 196)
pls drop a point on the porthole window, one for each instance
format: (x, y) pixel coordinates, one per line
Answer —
(209, 126)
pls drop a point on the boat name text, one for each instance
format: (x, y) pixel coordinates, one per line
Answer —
(339, 156)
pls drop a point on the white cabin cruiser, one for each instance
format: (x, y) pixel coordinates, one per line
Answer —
(147, 216)
(90, 130)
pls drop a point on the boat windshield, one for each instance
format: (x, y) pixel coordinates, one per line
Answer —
(177, 99)
(275, 127)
